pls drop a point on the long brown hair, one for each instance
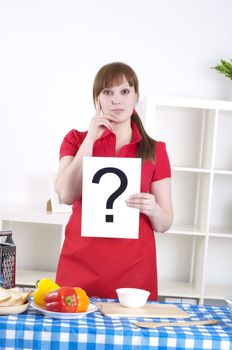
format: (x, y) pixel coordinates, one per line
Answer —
(112, 74)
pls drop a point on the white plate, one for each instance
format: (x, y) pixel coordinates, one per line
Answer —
(13, 310)
(64, 315)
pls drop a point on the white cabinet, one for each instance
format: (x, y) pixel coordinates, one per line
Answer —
(38, 236)
(195, 256)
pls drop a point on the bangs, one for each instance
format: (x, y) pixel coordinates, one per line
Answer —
(115, 78)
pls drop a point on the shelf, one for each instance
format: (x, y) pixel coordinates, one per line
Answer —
(219, 262)
(33, 216)
(202, 170)
(193, 170)
(221, 207)
(222, 172)
(189, 135)
(180, 259)
(190, 193)
(220, 232)
(29, 278)
(186, 230)
(32, 229)
(178, 289)
(217, 291)
(223, 159)
(189, 103)
(192, 230)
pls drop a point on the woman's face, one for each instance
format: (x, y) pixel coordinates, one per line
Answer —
(118, 101)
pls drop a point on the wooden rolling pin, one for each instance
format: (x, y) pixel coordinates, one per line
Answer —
(171, 324)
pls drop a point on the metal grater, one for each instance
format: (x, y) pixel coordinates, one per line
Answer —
(7, 260)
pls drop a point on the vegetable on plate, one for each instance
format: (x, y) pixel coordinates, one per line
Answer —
(43, 287)
(83, 299)
(63, 299)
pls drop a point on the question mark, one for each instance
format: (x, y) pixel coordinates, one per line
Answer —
(118, 192)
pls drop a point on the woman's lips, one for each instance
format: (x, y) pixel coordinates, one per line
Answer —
(117, 110)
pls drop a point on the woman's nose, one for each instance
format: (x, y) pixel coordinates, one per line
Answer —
(115, 101)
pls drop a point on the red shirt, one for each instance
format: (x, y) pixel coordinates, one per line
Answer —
(101, 265)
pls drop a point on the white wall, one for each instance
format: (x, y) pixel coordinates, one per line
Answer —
(51, 50)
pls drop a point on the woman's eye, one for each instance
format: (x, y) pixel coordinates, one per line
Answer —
(125, 91)
(107, 92)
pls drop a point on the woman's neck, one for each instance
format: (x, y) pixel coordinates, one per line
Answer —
(123, 134)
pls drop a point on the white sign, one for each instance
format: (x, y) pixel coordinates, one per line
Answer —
(107, 183)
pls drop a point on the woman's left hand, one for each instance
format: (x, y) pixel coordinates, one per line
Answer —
(145, 202)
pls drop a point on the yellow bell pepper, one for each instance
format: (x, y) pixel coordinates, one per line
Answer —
(83, 299)
(43, 287)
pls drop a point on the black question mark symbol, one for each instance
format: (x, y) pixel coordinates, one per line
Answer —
(118, 192)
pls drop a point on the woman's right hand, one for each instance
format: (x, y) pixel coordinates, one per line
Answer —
(99, 123)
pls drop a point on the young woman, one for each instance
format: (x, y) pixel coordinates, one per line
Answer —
(101, 265)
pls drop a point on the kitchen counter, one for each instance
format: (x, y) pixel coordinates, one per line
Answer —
(32, 330)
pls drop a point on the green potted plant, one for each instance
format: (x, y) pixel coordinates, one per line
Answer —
(225, 68)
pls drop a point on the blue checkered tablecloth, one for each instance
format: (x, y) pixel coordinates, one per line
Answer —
(31, 330)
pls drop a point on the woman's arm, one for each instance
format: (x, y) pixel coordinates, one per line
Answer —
(157, 204)
(68, 184)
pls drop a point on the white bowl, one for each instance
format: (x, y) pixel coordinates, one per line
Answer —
(229, 303)
(132, 297)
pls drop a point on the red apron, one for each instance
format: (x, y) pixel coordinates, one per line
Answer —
(101, 265)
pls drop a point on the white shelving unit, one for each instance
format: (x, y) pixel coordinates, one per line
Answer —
(45, 223)
(194, 257)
